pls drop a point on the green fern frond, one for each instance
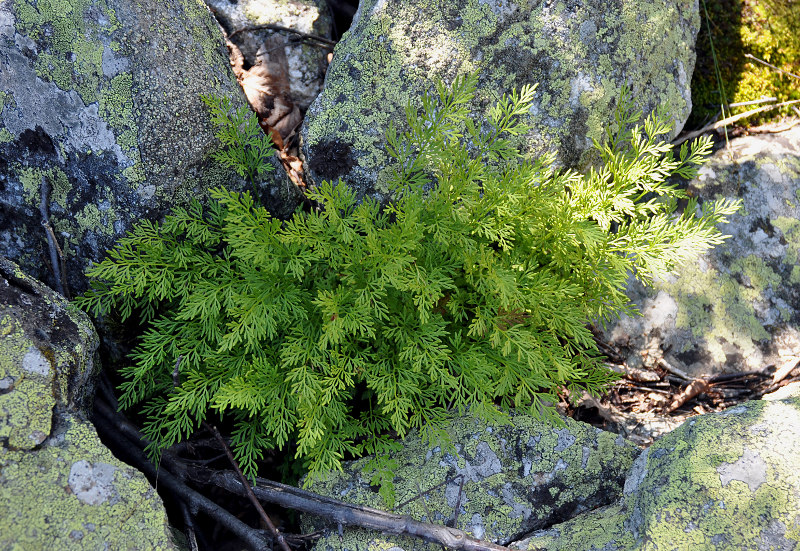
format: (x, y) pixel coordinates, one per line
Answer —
(472, 290)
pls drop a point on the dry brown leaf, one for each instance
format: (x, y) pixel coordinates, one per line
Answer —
(698, 386)
(266, 85)
(293, 167)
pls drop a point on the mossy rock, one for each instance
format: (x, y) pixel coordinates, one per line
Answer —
(100, 103)
(72, 494)
(720, 482)
(766, 29)
(581, 54)
(60, 487)
(516, 478)
(47, 358)
(736, 307)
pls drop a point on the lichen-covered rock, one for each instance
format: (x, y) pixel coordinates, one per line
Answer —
(100, 104)
(721, 481)
(60, 488)
(306, 61)
(47, 358)
(580, 54)
(737, 307)
(72, 494)
(516, 478)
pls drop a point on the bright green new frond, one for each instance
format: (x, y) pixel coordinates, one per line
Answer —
(247, 148)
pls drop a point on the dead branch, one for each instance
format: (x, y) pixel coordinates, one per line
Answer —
(320, 41)
(248, 489)
(634, 373)
(56, 256)
(731, 377)
(754, 58)
(340, 512)
(674, 370)
(730, 120)
(255, 539)
(787, 367)
(116, 427)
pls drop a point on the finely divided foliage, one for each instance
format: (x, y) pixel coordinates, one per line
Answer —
(340, 329)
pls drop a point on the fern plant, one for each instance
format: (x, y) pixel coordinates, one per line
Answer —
(247, 147)
(338, 329)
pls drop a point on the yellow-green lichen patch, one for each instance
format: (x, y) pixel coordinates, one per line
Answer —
(91, 218)
(31, 180)
(757, 277)
(601, 528)
(790, 227)
(203, 40)
(43, 343)
(135, 174)
(5, 135)
(5, 99)
(59, 186)
(72, 494)
(73, 52)
(723, 481)
(358, 539)
(26, 375)
(715, 307)
(116, 108)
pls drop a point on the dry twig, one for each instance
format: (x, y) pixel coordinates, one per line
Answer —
(108, 425)
(248, 489)
(56, 256)
(674, 370)
(754, 58)
(730, 120)
(353, 515)
(315, 39)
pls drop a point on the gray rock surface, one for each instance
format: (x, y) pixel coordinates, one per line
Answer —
(517, 477)
(100, 104)
(60, 488)
(721, 481)
(580, 54)
(737, 308)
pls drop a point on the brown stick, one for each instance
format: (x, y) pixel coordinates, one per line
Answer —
(248, 489)
(788, 366)
(56, 255)
(674, 370)
(116, 426)
(731, 120)
(754, 58)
